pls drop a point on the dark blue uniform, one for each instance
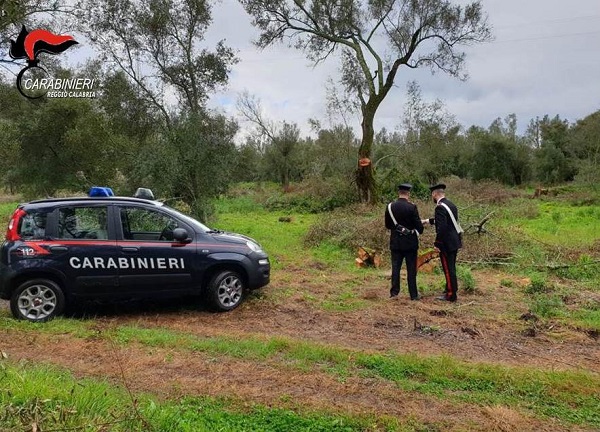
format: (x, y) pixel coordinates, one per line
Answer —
(448, 241)
(404, 246)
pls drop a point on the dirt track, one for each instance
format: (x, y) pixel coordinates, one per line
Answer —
(468, 331)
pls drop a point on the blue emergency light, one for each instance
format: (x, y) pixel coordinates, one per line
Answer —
(99, 191)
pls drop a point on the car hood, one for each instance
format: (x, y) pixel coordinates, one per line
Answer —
(229, 237)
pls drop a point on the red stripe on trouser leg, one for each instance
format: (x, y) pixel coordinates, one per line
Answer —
(447, 274)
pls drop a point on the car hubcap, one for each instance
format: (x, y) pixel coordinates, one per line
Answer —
(37, 302)
(230, 291)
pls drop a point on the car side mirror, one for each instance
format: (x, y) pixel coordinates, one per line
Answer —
(181, 235)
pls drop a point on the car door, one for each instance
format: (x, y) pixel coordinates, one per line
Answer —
(150, 261)
(84, 246)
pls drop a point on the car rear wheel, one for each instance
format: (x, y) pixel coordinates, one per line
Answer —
(226, 290)
(37, 300)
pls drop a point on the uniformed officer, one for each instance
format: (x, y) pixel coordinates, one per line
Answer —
(402, 218)
(447, 238)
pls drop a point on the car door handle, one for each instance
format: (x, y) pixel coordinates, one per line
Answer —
(130, 249)
(58, 248)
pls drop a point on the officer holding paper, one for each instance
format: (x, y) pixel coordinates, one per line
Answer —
(448, 237)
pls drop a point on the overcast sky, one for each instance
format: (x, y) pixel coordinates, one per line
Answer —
(544, 59)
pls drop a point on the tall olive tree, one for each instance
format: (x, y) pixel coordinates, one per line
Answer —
(157, 44)
(375, 38)
(281, 151)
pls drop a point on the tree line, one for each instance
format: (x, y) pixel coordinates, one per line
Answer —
(131, 135)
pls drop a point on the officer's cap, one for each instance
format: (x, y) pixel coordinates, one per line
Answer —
(405, 187)
(441, 186)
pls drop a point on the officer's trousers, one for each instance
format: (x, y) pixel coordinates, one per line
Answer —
(448, 259)
(411, 272)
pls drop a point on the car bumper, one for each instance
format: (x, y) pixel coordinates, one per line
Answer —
(261, 276)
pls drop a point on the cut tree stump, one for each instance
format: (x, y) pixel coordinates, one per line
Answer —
(368, 257)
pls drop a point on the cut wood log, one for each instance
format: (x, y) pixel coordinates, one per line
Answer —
(368, 257)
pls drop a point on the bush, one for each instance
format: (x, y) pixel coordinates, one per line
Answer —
(314, 195)
(538, 284)
(547, 306)
(464, 275)
(482, 192)
(350, 227)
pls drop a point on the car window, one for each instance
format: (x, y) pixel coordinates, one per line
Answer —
(82, 223)
(33, 225)
(143, 224)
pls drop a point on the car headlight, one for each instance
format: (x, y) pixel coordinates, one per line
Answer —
(253, 246)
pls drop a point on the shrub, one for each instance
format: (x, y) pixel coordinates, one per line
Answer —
(349, 228)
(464, 275)
(314, 195)
(586, 268)
(547, 306)
(538, 284)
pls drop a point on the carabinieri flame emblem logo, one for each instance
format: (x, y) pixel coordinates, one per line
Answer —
(30, 44)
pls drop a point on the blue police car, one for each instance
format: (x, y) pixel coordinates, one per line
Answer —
(58, 251)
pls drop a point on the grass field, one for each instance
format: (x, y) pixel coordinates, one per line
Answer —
(322, 349)
(559, 223)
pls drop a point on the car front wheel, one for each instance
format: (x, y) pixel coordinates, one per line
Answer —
(226, 290)
(37, 300)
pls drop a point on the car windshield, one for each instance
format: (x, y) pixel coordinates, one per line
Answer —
(188, 219)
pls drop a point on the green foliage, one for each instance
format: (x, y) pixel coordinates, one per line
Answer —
(350, 228)
(538, 284)
(585, 269)
(466, 279)
(566, 395)
(552, 161)
(6, 211)
(66, 144)
(52, 399)
(313, 196)
(191, 162)
(168, 27)
(277, 238)
(499, 158)
(559, 223)
(389, 181)
(547, 305)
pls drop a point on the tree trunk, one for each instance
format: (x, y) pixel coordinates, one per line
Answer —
(365, 179)
(285, 180)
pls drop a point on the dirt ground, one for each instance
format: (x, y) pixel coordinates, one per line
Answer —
(481, 327)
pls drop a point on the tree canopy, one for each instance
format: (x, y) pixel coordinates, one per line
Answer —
(374, 38)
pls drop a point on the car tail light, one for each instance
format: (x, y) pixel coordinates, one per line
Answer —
(12, 233)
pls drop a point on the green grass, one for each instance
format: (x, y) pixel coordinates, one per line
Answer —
(283, 241)
(53, 399)
(6, 211)
(568, 396)
(559, 223)
(565, 395)
(588, 319)
(278, 239)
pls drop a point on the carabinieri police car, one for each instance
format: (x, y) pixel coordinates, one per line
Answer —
(102, 246)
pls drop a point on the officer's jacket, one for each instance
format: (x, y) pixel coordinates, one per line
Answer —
(407, 215)
(446, 239)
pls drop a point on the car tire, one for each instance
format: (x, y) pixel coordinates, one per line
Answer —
(37, 300)
(226, 290)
